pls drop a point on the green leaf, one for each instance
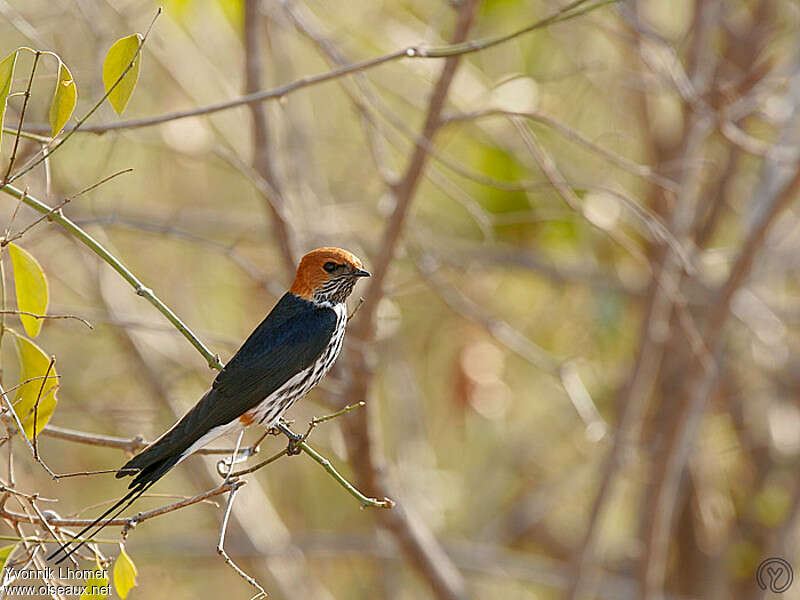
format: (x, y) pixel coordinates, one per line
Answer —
(118, 59)
(5, 552)
(31, 286)
(33, 364)
(64, 99)
(97, 588)
(6, 78)
(124, 573)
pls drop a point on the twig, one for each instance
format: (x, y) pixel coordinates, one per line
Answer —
(28, 135)
(571, 11)
(10, 238)
(565, 191)
(221, 544)
(26, 382)
(275, 206)
(36, 316)
(419, 544)
(49, 151)
(122, 521)
(39, 540)
(128, 444)
(635, 168)
(326, 464)
(355, 310)
(21, 429)
(262, 157)
(224, 527)
(36, 406)
(255, 467)
(699, 385)
(36, 56)
(139, 287)
(45, 523)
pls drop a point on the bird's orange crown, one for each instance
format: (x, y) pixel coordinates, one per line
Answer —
(314, 269)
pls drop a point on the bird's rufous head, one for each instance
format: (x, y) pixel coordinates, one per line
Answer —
(327, 275)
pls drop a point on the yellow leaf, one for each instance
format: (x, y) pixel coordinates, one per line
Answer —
(5, 552)
(124, 573)
(31, 284)
(6, 77)
(64, 99)
(33, 366)
(120, 55)
(97, 587)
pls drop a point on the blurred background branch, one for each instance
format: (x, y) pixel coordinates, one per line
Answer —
(576, 351)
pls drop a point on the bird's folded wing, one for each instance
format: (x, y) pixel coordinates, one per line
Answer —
(289, 340)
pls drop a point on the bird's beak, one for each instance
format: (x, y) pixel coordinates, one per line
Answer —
(360, 273)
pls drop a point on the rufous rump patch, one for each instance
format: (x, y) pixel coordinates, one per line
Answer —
(246, 420)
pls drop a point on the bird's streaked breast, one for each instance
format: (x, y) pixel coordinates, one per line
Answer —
(272, 408)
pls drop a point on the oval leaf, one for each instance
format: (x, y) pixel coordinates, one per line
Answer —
(33, 365)
(6, 77)
(120, 56)
(5, 552)
(97, 588)
(64, 99)
(124, 573)
(31, 287)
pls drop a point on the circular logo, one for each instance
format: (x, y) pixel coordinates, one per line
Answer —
(774, 574)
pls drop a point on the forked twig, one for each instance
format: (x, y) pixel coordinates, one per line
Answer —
(37, 316)
(221, 544)
(229, 479)
(36, 56)
(326, 464)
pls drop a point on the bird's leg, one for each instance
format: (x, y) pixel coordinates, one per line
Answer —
(294, 438)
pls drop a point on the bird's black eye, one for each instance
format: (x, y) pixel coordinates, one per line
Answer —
(329, 266)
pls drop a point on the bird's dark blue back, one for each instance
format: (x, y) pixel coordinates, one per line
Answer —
(292, 336)
(287, 341)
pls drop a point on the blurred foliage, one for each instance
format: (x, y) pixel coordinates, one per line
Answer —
(498, 288)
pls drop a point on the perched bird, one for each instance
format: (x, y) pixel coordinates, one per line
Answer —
(286, 356)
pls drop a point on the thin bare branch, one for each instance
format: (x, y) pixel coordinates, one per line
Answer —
(36, 56)
(124, 521)
(573, 10)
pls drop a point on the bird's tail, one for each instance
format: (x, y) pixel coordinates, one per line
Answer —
(148, 467)
(121, 504)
